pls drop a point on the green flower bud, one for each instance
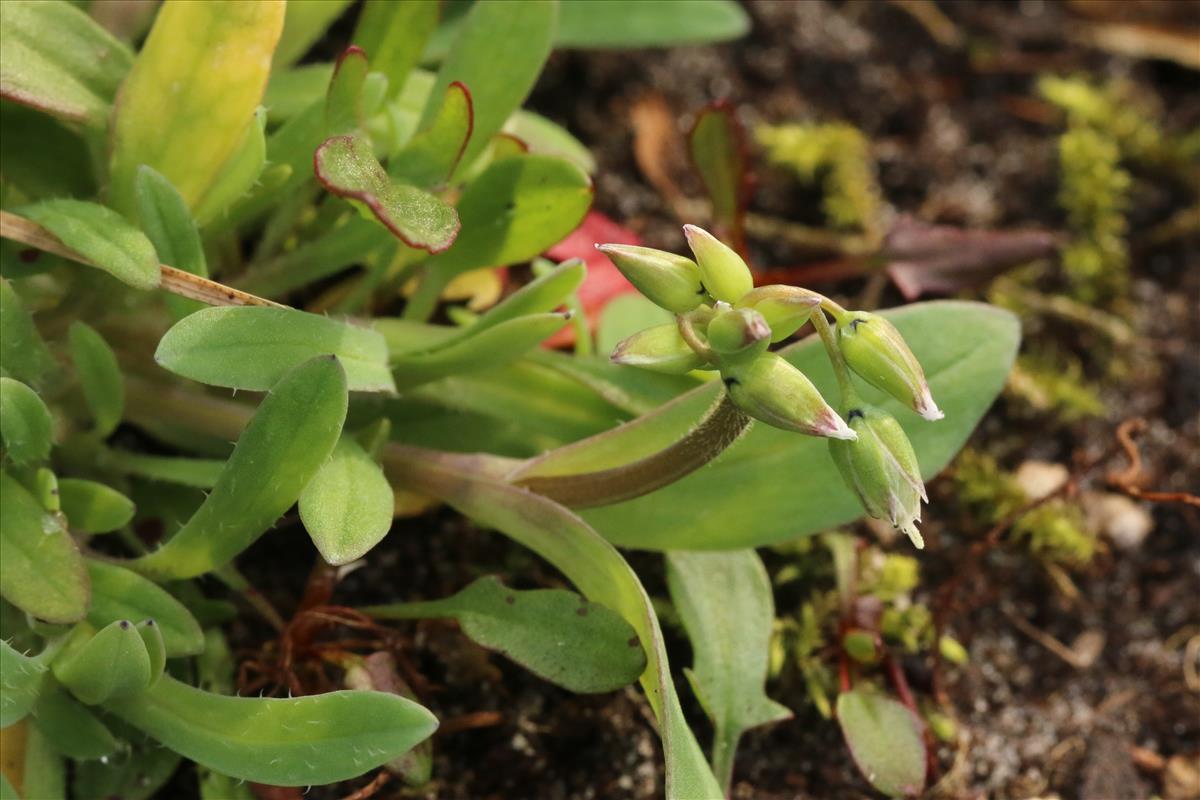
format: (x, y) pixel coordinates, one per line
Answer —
(724, 273)
(785, 308)
(876, 351)
(770, 389)
(739, 332)
(882, 469)
(661, 349)
(667, 280)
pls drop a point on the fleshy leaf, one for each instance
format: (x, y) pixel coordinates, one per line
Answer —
(70, 727)
(648, 23)
(581, 646)
(23, 354)
(252, 347)
(23, 679)
(287, 440)
(297, 741)
(885, 740)
(431, 156)
(93, 507)
(119, 593)
(718, 148)
(201, 473)
(111, 665)
(101, 235)
(343, 101)
(393, 34)
(26, 428)
(347, 506)
(99, 375)
(305, 23)
(346, 166)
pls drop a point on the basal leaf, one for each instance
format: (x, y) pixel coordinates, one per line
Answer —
(186, 105)
(99, 376)
(581, 646)
(137, 772)
(252, 347)
(23, 354)
(886, 741)
(70, 728)
(343, 100)
(43, 571)
(347, 507)
(22, 682)
(54, 57)
(725, 602)
(26, 428)
(346, 166)
(802, 492)
(103, 236)
(717, 144)
(431, 156)
(167, 222)
(92, 507)
(305, 23)
(119, 593)
(393, 34)
(201, 473)
(547, 138)
(239, 174)
(41, 156)
(649, 23)
(298, 741)
(290, 436)
(45, 773)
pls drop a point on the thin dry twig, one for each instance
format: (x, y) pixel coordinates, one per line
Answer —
(372, 788)
(1126, 481)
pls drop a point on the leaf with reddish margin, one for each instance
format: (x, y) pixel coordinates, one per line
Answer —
(346, 166)
(432, 155)
(343, 101)
(717, 145)
(886, 741)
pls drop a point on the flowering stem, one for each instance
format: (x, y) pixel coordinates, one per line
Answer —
(840, 370)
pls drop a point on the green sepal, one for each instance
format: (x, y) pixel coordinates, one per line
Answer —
(661, 349)
(770, 389)
(725, 274)
(670, 281)
(878, 353)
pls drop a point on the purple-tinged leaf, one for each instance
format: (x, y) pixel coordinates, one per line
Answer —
(431, 157)
(886, 741)
(343, 103)
(717, 144)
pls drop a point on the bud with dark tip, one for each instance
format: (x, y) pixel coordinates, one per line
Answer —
(666, 279)
(725, 274)
(785, 308)
(878, 353)
(770, 389)
(881, 468)
(660, 348)
(738, 334)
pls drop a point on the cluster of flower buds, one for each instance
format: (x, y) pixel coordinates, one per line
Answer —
(724, 323)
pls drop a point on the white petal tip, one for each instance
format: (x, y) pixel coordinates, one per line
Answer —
(914, 536)
(928, 409)
(836, 428)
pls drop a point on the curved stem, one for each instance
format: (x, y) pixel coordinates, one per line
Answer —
(840, 370)
(688, 332)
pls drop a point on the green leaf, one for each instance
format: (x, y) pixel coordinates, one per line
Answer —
(137, 772)
(101, 235)
(43, 571)
(625, 315)
(305, 23)
(7, 792)
(111, 665)
(347, 507)
(99, 375)
(23, 354)
(346, 166)
(648, 23)
(886, 741)
(55, 58)
(119, 593)
(725, 602)
(287, 440)
(393, 34)
(70, 728)
(431, 156)
(41, 156)
(252, 347)
(498, 54)
(718, 148)
(239, 174)
(966, 349)
(167, 222)
(297, 741)
(343, 100)
(201, 473)
(191, 94)
(22, 682)
(93, 507)
(45, 774)
(583, 647)
(26, 428)
(547, 138)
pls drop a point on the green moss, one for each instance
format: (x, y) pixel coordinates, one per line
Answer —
(1055, 385)
(1113, 111)
(1095, 194)
(1056, 532)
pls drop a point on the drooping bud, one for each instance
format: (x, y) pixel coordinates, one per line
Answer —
(881, 468)
(876, 351)
(660, 348)
(770, 389)
(725, 274)
(785, 308)
(738, 333)
(666, 279)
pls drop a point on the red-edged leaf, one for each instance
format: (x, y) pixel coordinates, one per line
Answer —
(431, 157)
(604, 281)
(343, 102)
(717, 145)
(346, 166)
(886, 741)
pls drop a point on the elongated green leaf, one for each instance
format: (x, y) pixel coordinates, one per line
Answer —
(289, 437)
(343, 101)
(885, 740)
(581, 646)
(239, 174)
(306, 21)
(119, 593)
(45, 774)
(168, 224)
(7, 791)
(717, 144)
(201, 473)
(432, 155)
(648, 23)
(498, 55)
(137, 772)
(55, 58)
(41, 156)
(21, 679)
(547, 138)
(43, 571)
(293, 90)
(111, 665)
(99, 375)
(347, 506)
(70, 728)
(597, 570)
(725, 602)
(252, 347)
(102, 235)
(774, 486)
(191, 94)
(26, 428)
(297, 741)
(92, 507)
(393, 34)
(23, 354)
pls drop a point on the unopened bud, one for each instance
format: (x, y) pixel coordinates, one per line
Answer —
(785, 308)
(772, 390)
(667, 280)
(876, 351)
(881, 468)
(724, 273)
(738, 332)
(660, 348)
